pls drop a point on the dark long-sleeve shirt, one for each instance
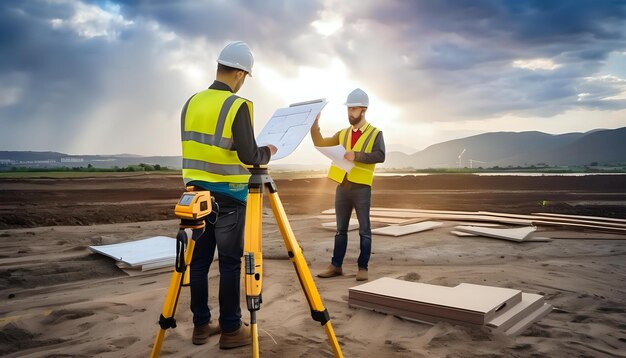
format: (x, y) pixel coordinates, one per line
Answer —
(376, 156)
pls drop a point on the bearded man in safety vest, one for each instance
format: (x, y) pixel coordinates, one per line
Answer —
(217, 140)
(365, 147)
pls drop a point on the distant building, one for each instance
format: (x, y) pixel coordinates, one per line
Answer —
(47, 161)
(71, 160)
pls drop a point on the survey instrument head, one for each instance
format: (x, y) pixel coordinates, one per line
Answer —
(193, 205)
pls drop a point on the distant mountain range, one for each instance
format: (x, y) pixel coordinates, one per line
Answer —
(485, 150)
(523, 148)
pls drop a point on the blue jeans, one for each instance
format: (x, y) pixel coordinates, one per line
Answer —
(347, 197)
(227, 235)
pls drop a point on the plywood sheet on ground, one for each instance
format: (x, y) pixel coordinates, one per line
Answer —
(482, 218)
(556, 219)
(483, 224)
(467, 302)
(512, 315)
(140, 252)
(401, 230)
(462, 234)
(577, 235)
(515, 323)
(514, 234)
(603, 228)
(422, 211)
(535, 316)
(440, 215)
(408, 315)
(581, 217)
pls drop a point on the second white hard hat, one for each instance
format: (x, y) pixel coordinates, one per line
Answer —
(237, 55)
(357, 98)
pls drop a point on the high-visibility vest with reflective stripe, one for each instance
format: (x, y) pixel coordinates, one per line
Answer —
(361, 173)
(206, 129)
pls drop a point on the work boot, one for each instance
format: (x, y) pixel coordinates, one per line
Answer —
(202, 333)
(362, 274)
(331, 271)
(239, 338)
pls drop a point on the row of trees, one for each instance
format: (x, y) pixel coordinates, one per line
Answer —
(142, 167)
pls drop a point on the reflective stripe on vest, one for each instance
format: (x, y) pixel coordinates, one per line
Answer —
(361, 173)
(206, 132)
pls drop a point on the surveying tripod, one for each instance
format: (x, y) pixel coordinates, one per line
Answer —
(192, 208)
(253, 258)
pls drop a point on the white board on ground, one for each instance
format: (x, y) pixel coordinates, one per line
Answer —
(515, 234)
(134, 253)
(400, 230)
(597, 218)
(462, 234)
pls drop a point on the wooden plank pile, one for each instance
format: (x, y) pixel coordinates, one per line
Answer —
(409, 221)
(504, 310)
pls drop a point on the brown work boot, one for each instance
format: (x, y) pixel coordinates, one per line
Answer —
(201, 334)
(238, 338)
(331, 271)
(361, 275)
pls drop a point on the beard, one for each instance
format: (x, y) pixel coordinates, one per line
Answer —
(355, 120)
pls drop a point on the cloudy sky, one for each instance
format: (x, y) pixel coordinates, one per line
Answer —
(106, 77)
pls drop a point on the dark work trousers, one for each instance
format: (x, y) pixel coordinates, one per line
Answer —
(227, 235)
(348, 196)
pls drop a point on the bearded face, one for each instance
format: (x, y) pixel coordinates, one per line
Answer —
(355, 114)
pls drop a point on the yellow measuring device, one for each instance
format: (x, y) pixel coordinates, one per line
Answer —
(193, 205)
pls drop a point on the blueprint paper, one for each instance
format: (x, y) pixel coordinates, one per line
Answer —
(336, 153)
(288, 126)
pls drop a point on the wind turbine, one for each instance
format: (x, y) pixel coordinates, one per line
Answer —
(472, 161)
(461, 155)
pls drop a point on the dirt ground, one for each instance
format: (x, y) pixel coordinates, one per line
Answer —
(57, 299)
(115, 199)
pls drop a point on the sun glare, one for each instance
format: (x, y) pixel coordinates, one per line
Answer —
(332, 83)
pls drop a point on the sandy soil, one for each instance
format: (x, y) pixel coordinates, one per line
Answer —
(104, 200)
(59, 300)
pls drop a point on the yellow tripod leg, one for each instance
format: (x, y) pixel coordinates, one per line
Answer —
(171, 300)
(253, 261)
(296, 256)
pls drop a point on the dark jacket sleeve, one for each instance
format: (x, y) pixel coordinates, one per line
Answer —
(376, 156)
(320, 141)
(243, 138)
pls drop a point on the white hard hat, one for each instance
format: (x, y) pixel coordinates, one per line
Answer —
(237, 55)
(357, 98)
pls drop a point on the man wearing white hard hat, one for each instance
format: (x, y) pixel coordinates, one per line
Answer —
(365, 147)
(217, 141)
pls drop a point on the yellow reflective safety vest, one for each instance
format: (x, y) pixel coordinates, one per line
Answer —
(206, 130)
(361, 173)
